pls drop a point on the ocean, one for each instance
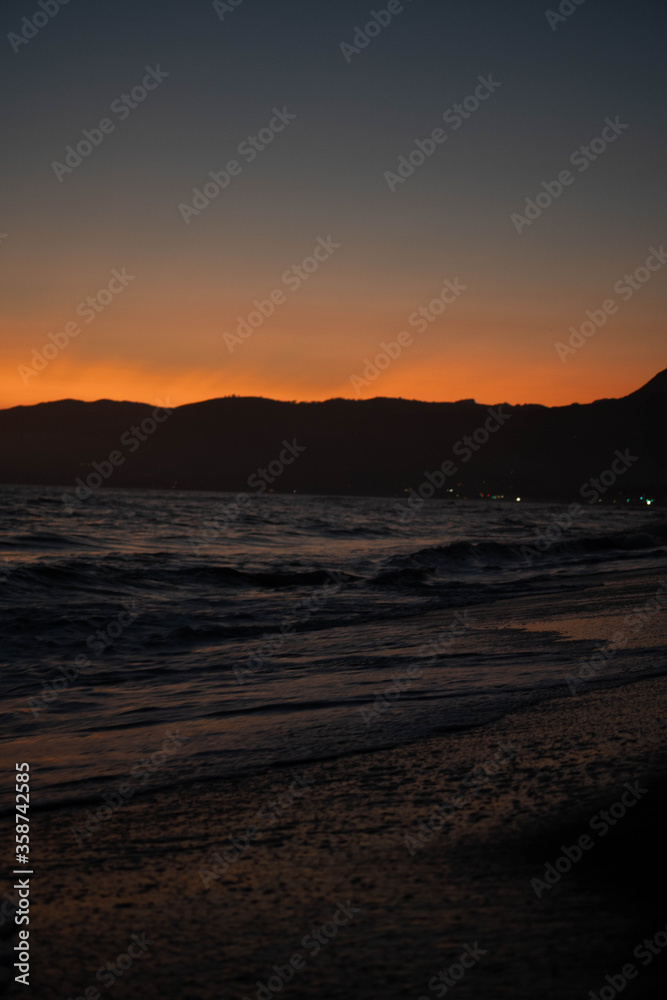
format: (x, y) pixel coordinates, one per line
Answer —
(155, 638)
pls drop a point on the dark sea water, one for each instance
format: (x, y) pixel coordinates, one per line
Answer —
(267, 634)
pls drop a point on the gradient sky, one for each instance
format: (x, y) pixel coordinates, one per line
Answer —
(163, 336)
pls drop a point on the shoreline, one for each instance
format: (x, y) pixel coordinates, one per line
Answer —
(344, 837)
(558, 630)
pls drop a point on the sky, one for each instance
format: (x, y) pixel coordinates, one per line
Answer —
(172, 279)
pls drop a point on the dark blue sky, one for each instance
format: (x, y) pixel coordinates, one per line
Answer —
(325, 175)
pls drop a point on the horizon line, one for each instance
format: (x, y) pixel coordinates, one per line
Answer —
(311, 402)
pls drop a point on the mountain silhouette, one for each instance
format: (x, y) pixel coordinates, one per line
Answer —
(381, 446)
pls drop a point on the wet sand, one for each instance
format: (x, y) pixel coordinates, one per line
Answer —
(547, 770)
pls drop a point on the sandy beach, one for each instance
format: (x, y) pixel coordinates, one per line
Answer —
(521, 789)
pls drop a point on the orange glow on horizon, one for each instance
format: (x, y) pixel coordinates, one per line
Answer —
(421, 380)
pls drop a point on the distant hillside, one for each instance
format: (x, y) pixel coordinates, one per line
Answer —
(374, 447)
